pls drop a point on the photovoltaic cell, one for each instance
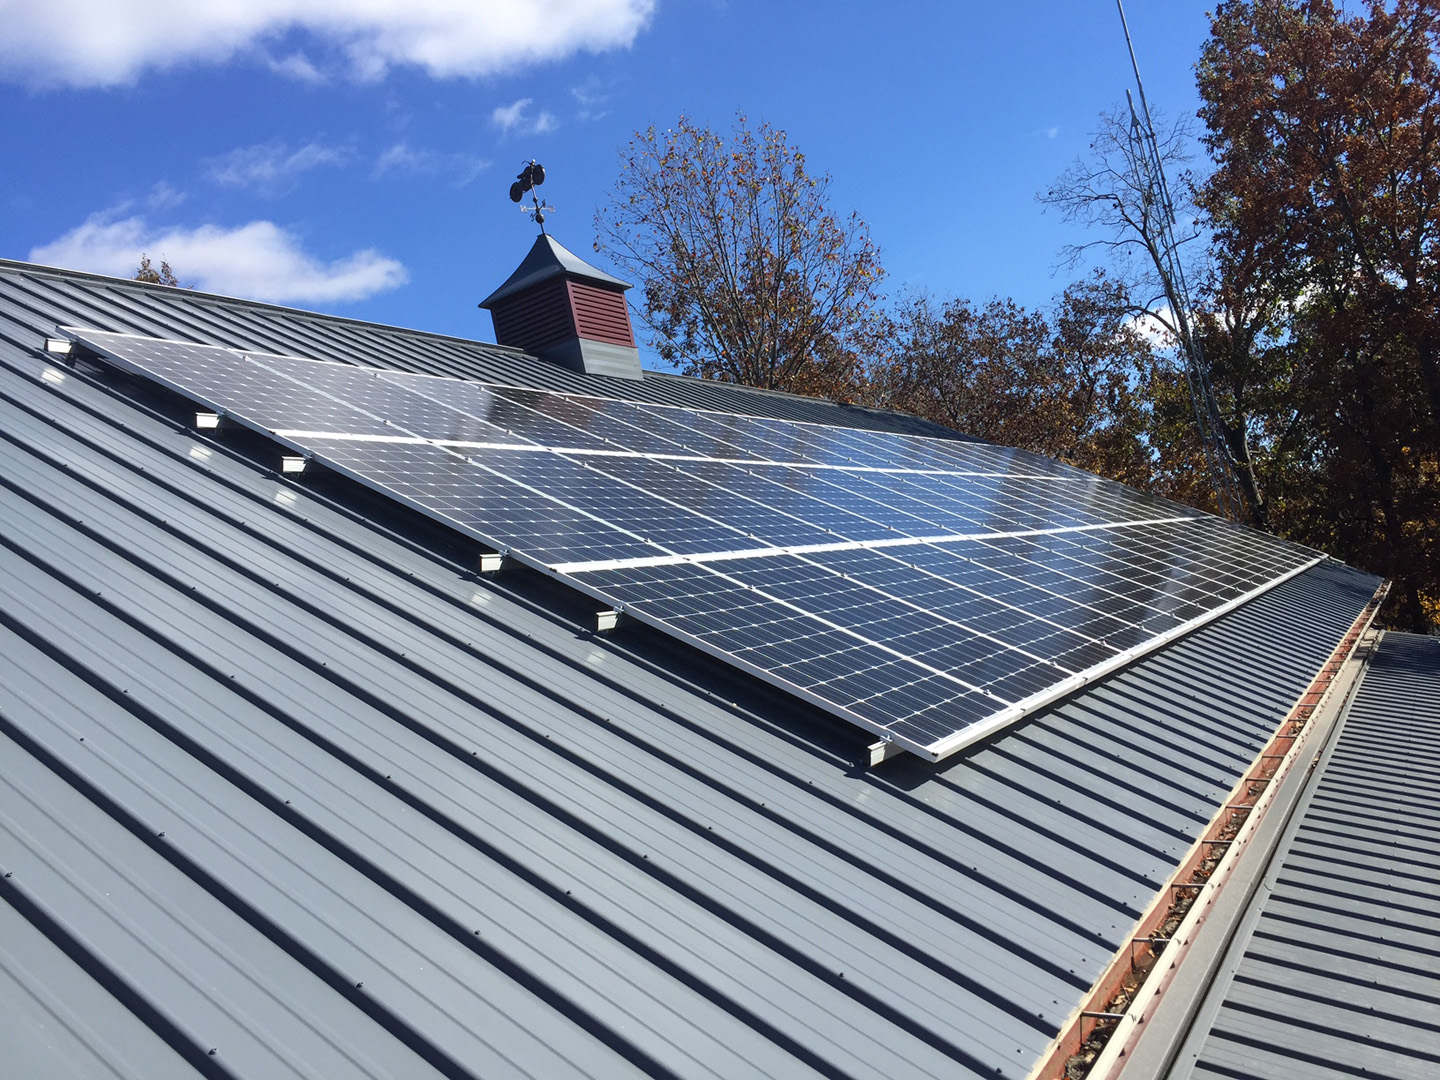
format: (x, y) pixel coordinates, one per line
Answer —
(517, 422)
(488, 504)
(928, 590)
(217, 378)
(402, 410)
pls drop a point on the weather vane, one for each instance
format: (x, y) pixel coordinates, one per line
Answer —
(531, 177)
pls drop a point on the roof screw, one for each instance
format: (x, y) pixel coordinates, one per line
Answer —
(213, 1051)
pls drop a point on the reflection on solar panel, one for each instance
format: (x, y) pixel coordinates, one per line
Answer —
(930, 591)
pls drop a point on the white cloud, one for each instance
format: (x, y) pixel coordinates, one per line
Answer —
(592, 96)
(112, 42)
(512, 119)
(403, 159)
(506, 117)
(1155, 326)
(271, 168)
(164, 196)
(258, 261)
(296, 66)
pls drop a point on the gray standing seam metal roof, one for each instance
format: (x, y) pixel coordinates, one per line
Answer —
(283, 779)
(1341, 975)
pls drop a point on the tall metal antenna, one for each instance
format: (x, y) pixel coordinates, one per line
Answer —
(1145, 153)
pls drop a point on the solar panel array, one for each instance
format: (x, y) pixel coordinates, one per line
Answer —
(928, 590)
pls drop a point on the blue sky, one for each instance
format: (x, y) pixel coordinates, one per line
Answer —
(355, 158)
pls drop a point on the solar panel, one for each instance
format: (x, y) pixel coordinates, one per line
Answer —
(928, 590)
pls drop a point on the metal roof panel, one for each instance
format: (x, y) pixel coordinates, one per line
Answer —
(361, 752)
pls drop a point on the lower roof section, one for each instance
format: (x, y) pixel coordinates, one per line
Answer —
(288, 790)
(1341, 973)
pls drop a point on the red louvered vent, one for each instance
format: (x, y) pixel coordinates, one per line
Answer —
(535, 318)
(601, 314)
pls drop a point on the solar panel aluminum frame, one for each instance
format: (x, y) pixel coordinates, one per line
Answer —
(934, 751)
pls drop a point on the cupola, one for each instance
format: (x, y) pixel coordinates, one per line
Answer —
(557, 306)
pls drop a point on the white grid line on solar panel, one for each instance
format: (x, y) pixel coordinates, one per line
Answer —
(358, 387)
(667, 525)
(777, 526)
(722, 503)
(403, 402)
(760, 430)
(895, 542)
(916, 630)
(635, 429)
(404, 411)
(751, 594)
(991, 515)
(1061, 634)
(816, 656)
(616, 422)
(1108, 592)
(579, 416)
(936, 729)
(1089, 658)
(760, 421)
(214, 377)
(635, 425)
(1185, 560)
(758, 427)
(959, 739)
(323, 378)
(1135, 610)
(556, 447)
(501, 512)
(996, 503)
(749, 439)
(1058, 609)
(1017, 614)
(865, 605)
(491, 405)
(973, 503)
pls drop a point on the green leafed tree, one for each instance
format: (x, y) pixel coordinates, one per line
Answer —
(747, 275)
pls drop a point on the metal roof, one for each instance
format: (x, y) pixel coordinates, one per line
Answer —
(1339, 976)
(286, 781)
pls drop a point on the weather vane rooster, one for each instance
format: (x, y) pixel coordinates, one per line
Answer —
(530, 178)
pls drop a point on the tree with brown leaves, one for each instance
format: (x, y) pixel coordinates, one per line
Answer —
(1070, 384)
(746, 273)
(1325, 127)
(147, 273)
